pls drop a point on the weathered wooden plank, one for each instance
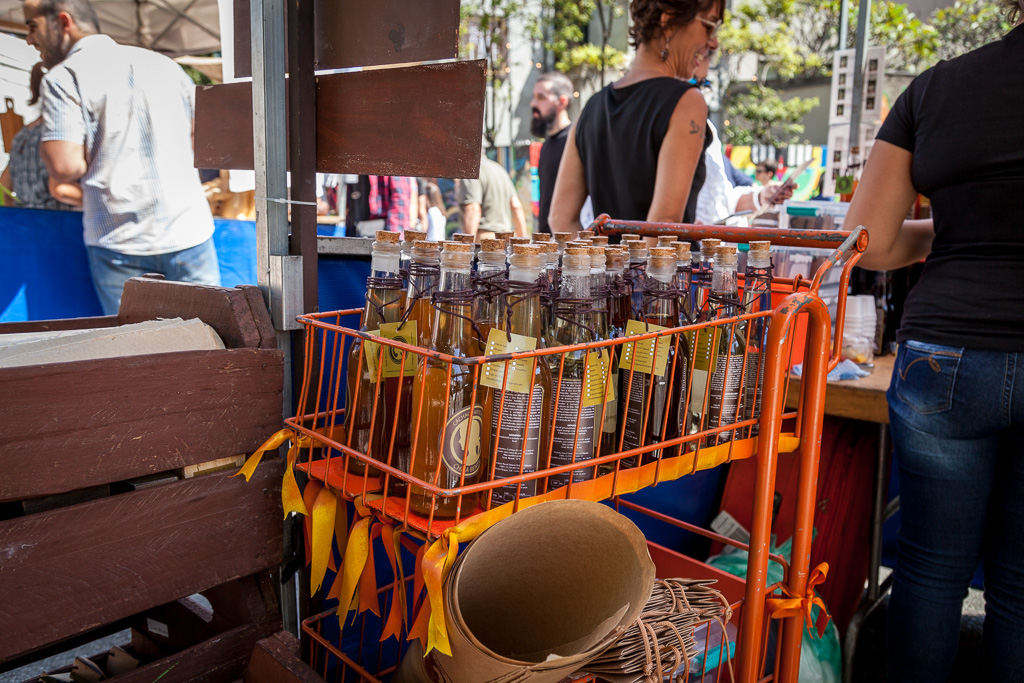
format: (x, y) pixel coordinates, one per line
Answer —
(69, 570)
(275, 659)
(225, 309)
(358, 33)
(422, 120)
(59, 325)
(66, 426)
(261, 314)
(221, 659)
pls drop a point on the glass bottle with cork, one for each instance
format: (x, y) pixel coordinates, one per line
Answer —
(489, 284)
(725, 376)
(517, 394)
(757, 298)
(447, 450)
(367, 361)
(573, 421)
(647, 384)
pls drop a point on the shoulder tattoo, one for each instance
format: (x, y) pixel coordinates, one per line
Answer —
(695, 129)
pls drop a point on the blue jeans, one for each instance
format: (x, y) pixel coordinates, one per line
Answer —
(110, 269)
(957, 420)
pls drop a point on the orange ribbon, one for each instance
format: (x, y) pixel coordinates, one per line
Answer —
(291, 498)
(794, 606)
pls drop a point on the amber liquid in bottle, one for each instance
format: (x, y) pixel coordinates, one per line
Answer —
(573, 426)
(725, 382)
(448, 451)
(423, 273)
(385, 301)
(516, 429)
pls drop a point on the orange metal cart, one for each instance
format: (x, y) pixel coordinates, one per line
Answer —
(799, 319)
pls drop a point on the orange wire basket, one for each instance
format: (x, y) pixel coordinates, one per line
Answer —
(427, 505)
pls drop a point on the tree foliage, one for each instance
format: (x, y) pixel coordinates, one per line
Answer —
(967, 25)
(567, 39)
(759, 115)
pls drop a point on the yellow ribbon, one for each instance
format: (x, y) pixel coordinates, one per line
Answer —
(794, 606)
(324, 511)
(439, 558)
(291, 499)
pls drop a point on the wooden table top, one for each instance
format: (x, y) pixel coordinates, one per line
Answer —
(857, 399)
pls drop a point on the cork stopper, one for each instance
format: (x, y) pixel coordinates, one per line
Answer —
(388, 237)
(637, 245)
(663, 252)
(596, 251)
(761, 246)
(519, 240)
(599, 240)
(726, 250)
(585, 234)
(454, 246)
(709, 244)
(503, 237)
(549, 247)
(577, 251)
(533, 249)
(463, 238)
(682, 250)
(415, 235)
(578, 243)
(492, 245)
(425, 247)
(562, 237)
(630, 238)
(541, 237)
(667, 240)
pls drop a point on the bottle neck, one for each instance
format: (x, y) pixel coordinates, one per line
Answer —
(724, 289)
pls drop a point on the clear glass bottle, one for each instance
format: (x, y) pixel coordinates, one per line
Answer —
(385, 303)
(523, 436)
(423, 274)
(448, 449)
(645, 398)
(638, 254)
(703, 267)
(561, 238)
(618, 305)
(682, 282)
(573, 426)
(757, 298)
(599, 291)
(489, 284)
(726, 377)
(410, 238)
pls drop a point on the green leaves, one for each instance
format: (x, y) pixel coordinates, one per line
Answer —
(760, 116)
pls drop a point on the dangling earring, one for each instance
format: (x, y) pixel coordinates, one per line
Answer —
(664, 50)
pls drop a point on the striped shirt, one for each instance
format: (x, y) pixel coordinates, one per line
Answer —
(132, 110)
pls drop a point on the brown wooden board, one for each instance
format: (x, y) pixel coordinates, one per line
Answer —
(68, 570)
(424, 120)
(59, 325)
(227, 310)
(276, 660)
(66, 426)
(359, 33)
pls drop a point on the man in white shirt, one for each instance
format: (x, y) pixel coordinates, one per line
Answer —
(117, 139)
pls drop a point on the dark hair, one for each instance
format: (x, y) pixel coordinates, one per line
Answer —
(561, 86)
(35, 80)
(1013, 9)
(769, 164)
(646, 16)
(81, 11)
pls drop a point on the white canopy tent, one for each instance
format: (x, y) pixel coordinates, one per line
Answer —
(173, 27)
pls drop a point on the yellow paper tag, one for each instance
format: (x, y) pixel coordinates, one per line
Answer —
(401, 332)
(371, 352)
(705, 352)
(644, 350)
(520, 373)
(597, 379)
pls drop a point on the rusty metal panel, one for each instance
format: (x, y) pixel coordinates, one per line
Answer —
(352, 33)
(422, 120)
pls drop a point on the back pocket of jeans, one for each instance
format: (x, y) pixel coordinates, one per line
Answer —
(925, 375)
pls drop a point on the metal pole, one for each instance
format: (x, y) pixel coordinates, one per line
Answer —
(844, 20)
(863, 24)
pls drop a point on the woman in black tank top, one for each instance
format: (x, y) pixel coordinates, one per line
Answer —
(638, 147)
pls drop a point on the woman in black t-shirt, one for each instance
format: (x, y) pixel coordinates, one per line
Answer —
(638, 147)
(956, 400)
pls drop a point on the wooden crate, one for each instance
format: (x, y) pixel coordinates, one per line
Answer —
(70, 570)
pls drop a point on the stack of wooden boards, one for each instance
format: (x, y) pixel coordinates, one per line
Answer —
(72, 571)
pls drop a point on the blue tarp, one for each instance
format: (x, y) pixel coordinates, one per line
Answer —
(47, 271)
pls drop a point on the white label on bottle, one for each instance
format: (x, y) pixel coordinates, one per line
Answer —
(460, 442)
